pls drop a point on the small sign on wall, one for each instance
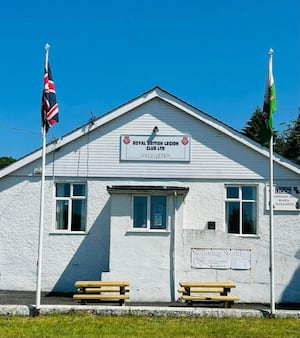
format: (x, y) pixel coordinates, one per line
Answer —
(210, 258)
(285, 198)
(155, 148)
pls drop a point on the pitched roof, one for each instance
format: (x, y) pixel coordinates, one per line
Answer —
(153, 93)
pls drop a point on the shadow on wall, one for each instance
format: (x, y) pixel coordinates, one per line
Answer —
(291, 293)
(91, 258)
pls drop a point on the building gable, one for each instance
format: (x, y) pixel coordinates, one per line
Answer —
(217, 151)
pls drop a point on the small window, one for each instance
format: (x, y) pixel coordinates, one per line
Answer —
(140, 212)
(150, 212)
(241, 210)
(70, 207)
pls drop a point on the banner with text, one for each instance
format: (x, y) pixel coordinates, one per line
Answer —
(155, 148)
(210, 258)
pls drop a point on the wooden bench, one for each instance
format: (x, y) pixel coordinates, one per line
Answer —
(102, 291)
(207, 291)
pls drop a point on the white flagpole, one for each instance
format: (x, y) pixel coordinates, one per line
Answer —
(41, 227)
(272, 283)
(271, 220)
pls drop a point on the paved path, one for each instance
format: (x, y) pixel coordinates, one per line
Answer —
(23, 304)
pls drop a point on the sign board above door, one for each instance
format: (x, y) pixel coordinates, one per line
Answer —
(155, 148)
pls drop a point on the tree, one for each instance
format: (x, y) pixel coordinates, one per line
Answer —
(286, 143)
(252, 128)
(5, 161)
(292, 141)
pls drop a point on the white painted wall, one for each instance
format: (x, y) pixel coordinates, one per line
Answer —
(130, 257)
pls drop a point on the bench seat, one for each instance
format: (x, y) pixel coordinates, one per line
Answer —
(228, 300)
(102, 290)
(101, 283)
(99, 296)
(229, 285)
(201, 289)
(207, 291)
(218, 298)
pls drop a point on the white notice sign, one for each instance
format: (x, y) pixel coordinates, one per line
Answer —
(285, 198)
(155, 148)
(209, 258)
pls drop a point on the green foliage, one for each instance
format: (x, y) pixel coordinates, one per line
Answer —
(252, 129)
(5, 161)
(291, 140)
(286, 143)
(91, 325)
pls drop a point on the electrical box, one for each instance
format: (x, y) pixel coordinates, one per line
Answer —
(211, 225)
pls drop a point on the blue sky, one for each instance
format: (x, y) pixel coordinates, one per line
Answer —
(212, 54)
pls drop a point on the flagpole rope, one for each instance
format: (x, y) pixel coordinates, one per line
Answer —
(20, 130)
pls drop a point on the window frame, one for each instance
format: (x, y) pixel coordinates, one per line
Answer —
(149, 227)
(241, 201)
(70, 200)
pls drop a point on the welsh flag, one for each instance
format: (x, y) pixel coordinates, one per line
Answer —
(269, 106)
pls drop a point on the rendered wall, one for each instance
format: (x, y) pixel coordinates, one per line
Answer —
(144, 258)
(66, 257)
(153, 263)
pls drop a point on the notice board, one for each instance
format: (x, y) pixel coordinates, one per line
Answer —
(211, 258)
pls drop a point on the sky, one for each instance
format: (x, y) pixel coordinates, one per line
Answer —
(211, 54)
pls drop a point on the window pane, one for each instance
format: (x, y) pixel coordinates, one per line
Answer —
(249, 193)
(78, 215)
(62, 208)
(232, 192)
(62, 190)
(78, 189)
(140, 212)
(158, 212)
(233, 217)
(249, 218)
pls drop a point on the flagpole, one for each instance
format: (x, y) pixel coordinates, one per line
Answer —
(271, 219)
(42, 198)
(272, 283)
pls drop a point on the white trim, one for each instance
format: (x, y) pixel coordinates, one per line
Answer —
(70, 200)
(65, 232)
(241, 200)
(148, 228)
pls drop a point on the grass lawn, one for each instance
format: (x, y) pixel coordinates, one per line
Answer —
(90, 325)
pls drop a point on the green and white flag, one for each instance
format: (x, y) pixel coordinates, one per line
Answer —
(269, 106)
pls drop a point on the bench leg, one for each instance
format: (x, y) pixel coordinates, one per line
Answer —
(122, 302)
(227, 304)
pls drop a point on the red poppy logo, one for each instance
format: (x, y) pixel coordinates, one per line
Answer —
(185, 140)
(126, 140)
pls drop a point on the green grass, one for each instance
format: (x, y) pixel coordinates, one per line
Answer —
(90, 325)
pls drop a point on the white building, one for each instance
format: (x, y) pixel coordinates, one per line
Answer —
(154, 192)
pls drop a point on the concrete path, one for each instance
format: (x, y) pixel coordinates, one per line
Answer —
(23, 304)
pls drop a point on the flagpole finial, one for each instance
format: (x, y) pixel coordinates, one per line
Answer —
(271, 51)
(47, 46)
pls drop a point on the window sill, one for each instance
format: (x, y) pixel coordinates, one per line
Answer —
(67, 233)
(244, 235)
(147, 232)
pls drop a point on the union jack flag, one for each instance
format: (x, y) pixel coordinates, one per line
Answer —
(49, 104)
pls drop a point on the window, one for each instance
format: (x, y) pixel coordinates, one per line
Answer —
(150, 212)
(70, 204)
(241, 210)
